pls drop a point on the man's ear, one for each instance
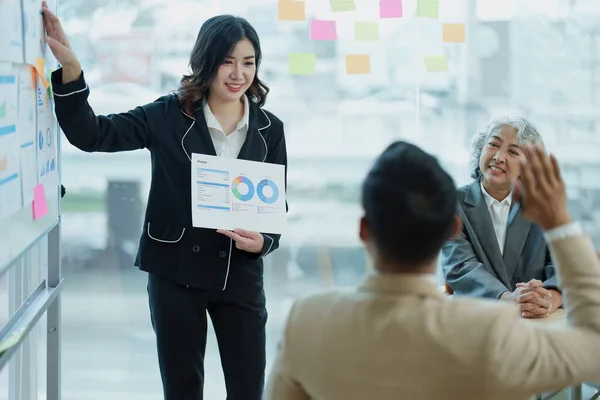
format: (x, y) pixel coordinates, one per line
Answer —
(363, 230)
(457, 227)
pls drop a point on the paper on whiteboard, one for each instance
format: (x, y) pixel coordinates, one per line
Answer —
(33, 31)
(11, 33)
(10, 182)
(46, 139)
(230, 193)
(26, 131)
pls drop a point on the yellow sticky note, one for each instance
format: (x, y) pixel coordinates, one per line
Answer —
(39, 67)
(342, 5)
(291, 10)
(302, 63)
(366, 31)
(436, 63)
(453, 33)
(358, 64)
(428, 9)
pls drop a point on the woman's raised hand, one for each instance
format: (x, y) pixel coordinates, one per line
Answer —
(59, 44)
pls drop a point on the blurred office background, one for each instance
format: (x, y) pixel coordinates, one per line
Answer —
(536, 58)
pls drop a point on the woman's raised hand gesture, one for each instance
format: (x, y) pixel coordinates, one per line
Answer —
(59, 44)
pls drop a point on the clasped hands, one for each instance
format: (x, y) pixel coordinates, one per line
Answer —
(534, 301)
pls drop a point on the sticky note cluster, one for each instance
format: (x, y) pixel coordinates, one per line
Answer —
(327, 30)
(305, 64)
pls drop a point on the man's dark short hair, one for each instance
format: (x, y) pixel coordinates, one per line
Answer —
(409, 203)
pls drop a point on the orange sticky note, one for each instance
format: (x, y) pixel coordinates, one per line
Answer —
(358, 64)
(453, 33)
(39, 205)
(34, 76)
(39, 67)
(291, 10)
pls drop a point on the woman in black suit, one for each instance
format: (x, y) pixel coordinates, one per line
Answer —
(191, 271)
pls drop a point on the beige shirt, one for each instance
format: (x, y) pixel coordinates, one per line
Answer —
(398, 337)
(228, 145)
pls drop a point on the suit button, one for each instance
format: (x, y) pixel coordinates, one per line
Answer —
(223, 254)
(196, 248)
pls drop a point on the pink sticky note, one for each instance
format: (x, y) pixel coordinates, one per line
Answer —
(390, 8)
(40, 208)
(322, 30)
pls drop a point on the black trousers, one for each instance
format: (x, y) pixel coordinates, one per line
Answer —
(238, 315)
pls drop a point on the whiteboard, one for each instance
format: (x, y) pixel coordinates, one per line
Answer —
(29, 156)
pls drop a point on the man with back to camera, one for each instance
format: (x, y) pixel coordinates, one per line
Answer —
(398, 337)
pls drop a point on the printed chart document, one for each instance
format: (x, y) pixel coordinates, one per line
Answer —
(10, 182)
(46, 139)
(11, 31)
(229, 193)
(26, 130)
(33, 31)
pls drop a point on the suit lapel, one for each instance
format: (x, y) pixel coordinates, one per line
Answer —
(479, 217)
(516, 235)
(197, 139)
(255, 147)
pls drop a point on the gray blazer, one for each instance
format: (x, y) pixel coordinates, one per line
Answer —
(472, 262)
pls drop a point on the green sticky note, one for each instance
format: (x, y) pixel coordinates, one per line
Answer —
(342, 5)
(437, 63)
(366, 31)
(428, 9)
(302, 63)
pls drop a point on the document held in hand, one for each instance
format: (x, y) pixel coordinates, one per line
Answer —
(229, 193)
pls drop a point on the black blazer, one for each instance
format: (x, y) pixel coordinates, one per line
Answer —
(472, 262)
(169, 245)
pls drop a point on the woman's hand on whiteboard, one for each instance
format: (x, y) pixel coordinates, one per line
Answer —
(59, 44)
(249, 241)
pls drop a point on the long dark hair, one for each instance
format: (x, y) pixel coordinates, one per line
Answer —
(216, 40)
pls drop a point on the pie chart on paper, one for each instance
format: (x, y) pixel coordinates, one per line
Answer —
(242, 188)
(267, 191)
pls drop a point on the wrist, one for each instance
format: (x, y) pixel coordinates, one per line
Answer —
(556, 299)
(555, 222)
(70, 73)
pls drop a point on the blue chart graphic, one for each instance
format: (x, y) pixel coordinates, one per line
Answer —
(41, 140)
(260, 191)
(234, 188)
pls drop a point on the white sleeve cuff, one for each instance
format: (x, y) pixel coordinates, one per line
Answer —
(562, 232)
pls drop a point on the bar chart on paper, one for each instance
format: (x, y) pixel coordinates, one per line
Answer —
(10, 183)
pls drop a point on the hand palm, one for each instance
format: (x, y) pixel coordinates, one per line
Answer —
(56, 38)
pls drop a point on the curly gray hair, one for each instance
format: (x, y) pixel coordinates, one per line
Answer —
(526, 134)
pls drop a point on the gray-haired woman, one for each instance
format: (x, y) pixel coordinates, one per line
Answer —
(492, 258)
